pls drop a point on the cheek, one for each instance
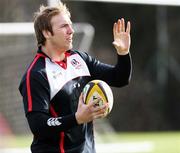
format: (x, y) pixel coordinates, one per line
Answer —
(59, 37)
(62, 35)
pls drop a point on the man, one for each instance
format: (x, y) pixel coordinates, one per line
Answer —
(52, 85)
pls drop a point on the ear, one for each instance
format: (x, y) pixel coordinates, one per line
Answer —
(47, 34)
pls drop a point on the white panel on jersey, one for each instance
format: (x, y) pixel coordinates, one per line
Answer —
(58, 76)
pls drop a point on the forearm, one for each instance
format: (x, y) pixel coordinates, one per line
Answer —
(43, 124)
(123, 70)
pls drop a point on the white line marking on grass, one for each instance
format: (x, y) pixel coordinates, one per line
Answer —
(132, 147)
(15, 150)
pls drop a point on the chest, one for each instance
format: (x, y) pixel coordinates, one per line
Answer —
(58, 77)
(66, 84)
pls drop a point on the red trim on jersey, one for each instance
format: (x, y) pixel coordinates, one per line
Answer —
(61, 141)
(63, 63)
(67, 54)
(54, 114)
(29, 85)
(41, 55)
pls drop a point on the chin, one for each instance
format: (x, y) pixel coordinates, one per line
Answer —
(69, 47)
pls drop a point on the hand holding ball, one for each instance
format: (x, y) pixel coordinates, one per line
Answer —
(98, 89)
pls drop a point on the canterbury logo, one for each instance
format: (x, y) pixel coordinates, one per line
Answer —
(53, 122)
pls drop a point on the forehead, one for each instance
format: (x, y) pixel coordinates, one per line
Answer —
(60, 19)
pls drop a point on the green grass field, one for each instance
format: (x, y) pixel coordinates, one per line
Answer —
(162, 142)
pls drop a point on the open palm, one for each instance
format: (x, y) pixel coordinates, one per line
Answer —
(122, 38)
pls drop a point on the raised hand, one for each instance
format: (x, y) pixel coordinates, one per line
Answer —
(122, 38)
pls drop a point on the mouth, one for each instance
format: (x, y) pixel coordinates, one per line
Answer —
(69, 39)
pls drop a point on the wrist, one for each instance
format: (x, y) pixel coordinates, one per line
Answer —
(78, 120)
(122, 52)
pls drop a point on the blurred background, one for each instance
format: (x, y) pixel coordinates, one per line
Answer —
(149, 104)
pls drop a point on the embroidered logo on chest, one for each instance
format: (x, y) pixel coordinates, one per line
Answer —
(75, 63)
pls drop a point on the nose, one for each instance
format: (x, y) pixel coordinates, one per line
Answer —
(70, 29)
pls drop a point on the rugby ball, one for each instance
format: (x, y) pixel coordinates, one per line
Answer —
(98, 89)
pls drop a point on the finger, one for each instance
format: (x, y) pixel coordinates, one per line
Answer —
(122, 25)
(99, 108)
(114, 29)
(81, 98)
(94, 102)
(119, 26)
(128, 29)
(101, 111)
(100, 115)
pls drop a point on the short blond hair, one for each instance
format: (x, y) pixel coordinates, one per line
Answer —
(42, 20)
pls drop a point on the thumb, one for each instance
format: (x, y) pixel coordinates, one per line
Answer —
(114, 43)
(81, 99)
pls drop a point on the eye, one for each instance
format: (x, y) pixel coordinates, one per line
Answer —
(64, 25)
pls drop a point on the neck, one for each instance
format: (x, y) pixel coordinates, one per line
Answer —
(53, 53)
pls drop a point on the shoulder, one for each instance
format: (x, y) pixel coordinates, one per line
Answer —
(82, 54)
(35, 69)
